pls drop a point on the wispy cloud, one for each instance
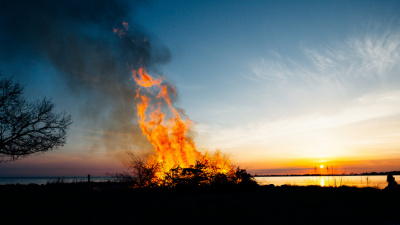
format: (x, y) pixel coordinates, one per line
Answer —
(370, 56)
(377, 55)
(271, 70)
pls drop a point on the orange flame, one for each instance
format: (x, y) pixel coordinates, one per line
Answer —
(168, 134)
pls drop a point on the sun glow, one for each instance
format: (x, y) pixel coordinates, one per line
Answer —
(321, 166)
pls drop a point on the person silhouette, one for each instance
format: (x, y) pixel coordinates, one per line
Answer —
(392, 184)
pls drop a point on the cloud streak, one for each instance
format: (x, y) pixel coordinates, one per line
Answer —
(372, 57)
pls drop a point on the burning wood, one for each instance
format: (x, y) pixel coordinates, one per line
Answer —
(176, 159)
(175, 151)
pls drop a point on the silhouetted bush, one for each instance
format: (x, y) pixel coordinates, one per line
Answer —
(202, 174)
(245, 178)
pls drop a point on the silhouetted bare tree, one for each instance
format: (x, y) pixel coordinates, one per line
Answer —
(28, 127)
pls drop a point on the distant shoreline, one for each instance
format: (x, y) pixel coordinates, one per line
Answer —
(319, 174)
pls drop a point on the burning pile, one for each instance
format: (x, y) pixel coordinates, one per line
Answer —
(175, 151)
(176, 159)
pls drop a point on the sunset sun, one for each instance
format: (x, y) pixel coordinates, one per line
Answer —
(321, 166)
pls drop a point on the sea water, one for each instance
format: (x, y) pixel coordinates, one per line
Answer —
(46, 180)
(376, 181)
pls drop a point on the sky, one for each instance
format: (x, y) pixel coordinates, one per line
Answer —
(278, 86)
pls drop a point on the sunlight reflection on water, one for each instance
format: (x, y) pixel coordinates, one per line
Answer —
(327, 181)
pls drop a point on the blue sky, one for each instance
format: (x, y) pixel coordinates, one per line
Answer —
(274, 84)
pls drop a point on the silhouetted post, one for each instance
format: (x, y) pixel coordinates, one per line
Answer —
(88, 178)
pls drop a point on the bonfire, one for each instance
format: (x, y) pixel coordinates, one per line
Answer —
(166, 128)
(176, 159)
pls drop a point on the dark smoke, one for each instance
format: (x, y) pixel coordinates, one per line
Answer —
(77, 38)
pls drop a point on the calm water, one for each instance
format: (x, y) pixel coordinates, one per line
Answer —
(45, 180)
(327, 181)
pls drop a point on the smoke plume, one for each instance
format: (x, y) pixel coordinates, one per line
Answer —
(77, 38)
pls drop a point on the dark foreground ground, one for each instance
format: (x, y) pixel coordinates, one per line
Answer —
(106, 203)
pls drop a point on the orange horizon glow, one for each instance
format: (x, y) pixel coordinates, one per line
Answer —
(313, 165)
